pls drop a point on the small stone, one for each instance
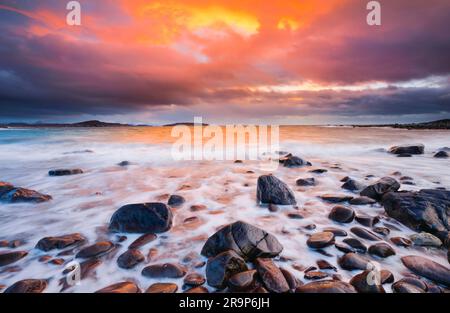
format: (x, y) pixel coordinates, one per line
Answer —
(365, 282)
(166, 270)
(295, 216)
(124, 163)
(381, 230)
(96, 250)
(176, 201)
(356, 244)
(60, 242)
(335, 198)
(271, 276)
(325, 265)
(57, 261)
(123, 287)
(318, 171)
(336, 231)
(315, 275)
(352, 261)
(320, 240)
(362, 201)
(410, 149)
(223, 266)
(403, 287)
(367, 220)
(194, 279)
(162, 288)
(142, 241)
(343, 247)
(65, 172)
(441, 155)
(305, 182)
(28, 286)
(425, 239)
(130, 258)
(365, 234)
(198, 207)
(341, 214)
(273, 207)
(401, 242)
(382, 250)
(352, 185)
(386, 277)
(7, 258)
(44, 258)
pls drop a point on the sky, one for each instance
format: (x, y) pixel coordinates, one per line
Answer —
(228, 61)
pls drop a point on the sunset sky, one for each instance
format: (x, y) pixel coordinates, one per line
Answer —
(229, 61)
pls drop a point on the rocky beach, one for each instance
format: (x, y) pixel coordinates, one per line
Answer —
(348, 210)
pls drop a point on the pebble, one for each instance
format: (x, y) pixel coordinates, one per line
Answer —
(123, 287)
(166, 270)
(382, 250)
(162, 288)
(130, 258)
(425, 239)
(365, 234)
(341, 214)
(142, 241)
(320, 240)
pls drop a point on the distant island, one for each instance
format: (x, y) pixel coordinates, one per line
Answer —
(439, 124)
(93, 123)
(185, 124)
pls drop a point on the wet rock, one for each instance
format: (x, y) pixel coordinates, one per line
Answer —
(366, 282)
(176, 201)
(28, 286)
(243, 281)
(60, 242)
(341, 214)
(326, 286)
(425, 239)
(415, 281)
(320, 240)
(365, 234)
(325, 265)
(352, 185)
(384, 231)
(45, 258)
(336, 231)
(404, 155)
(401, 242)
(123, 287)
(290, 279)
(65, 172)
(352, 261)
(153, 217)
(318, 171)
(7, 257)
(425, 210)
(223, 266)
(441, 155)
(428, 269)
(130, 258)
(96, 250)
(198, 207)
(386, 277)
(124, 163)
(315, 275)
(198, 289)
(343, 247)
(246, 240)
(310, 226)
(382, 186)
(305, 182)
(15, 243)
(356, 244)
(273, 207)
(58, 261)
(335, 198)
(403, 287)
(295, 216)
(408, 149)
(362, 201)
(382, 250)
(293, 161)
(142, 241)
(11, 194)
(367, 220)
(272, 190)
(194, 279)
(271, 276)
(166, 270)
(162, 288)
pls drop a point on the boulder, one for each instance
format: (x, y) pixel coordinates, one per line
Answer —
(428, 269)
(130, 259)
(65, 172)
(293, 161)
(166, 270)
(123, 287)
(382, 186)
(153, 217)
(407, 149)
(341, 214)
(60, 242)
(11, 194)
(243, 281)
(425, 210)
(246, 240)
(9, 257)
(28, 286)
(272, 190)
(271, 276)
(221, 267)
(326, 286)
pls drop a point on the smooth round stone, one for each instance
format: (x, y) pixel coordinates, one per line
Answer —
(162, 288)
(367, 220)
(343, 247)
(96, 250)
(243, 280)
(315, 275)
(382, 250)
(352, 261)
(7, 258)
(166, 270)
(295, 216)
(123, 287)
(176, 201)
(355, 244)
(336, 231)
(341, 214)
(320, 240)
(365, 282)
(194, 279)
(130, 258)
(28, 286)
(142, 241)
(60, 242)
(325, 265)
(427, 268)
(415, 281)
(365, 234)
(426, 240)
(198, 207)
(318, 171)
(441, 154)
(401, 242)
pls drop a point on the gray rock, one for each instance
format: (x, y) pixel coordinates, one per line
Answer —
(382, 186)
(425, 239)
(352, 185)
(408, 149)
(304, 182)
(221, 267)
(272, 190)
(441, 155)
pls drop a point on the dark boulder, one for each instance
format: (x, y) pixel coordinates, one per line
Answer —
(293, 161)
(176, 201)
(271, 276)
(60, 242)
(407, 149)
(326, 286)
(166, 270)
(441, 155)
(428, 269)
(96, 250)
(272, 190)
(220, 268)
(153, 217)
(382, 186)
(246, 240)
(28, 286)
(352, 185)
(425, 210)
(341, 214)
(123, 287)
(130, 259)
(65, 172)
(8, 257)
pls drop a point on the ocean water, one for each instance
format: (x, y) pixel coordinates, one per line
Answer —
(85, 203)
